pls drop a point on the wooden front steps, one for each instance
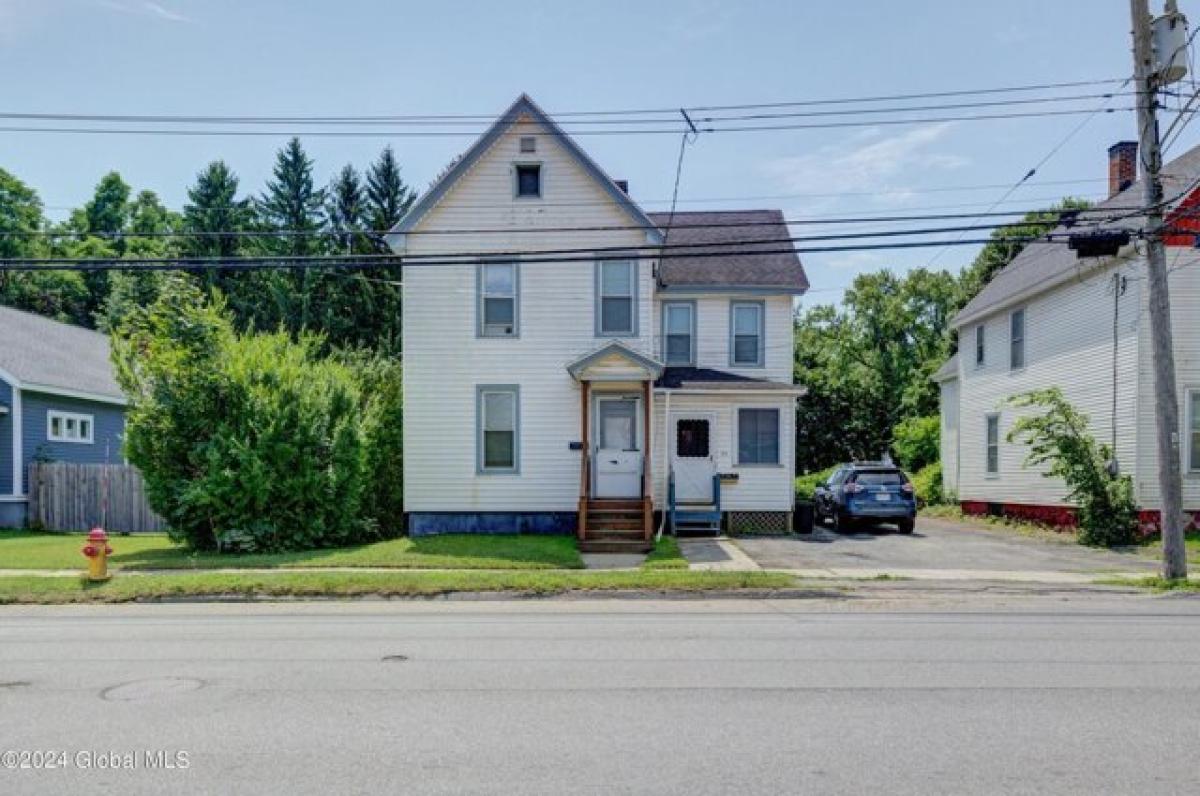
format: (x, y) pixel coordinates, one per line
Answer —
(616, 526)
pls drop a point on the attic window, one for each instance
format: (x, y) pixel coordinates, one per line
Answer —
(528, 143)
(529, 180)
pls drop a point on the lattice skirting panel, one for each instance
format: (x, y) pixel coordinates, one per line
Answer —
(760, 521)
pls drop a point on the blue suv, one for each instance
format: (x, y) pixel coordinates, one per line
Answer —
(866, 491)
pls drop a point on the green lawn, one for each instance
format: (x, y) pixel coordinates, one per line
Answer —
(29, 550)
(1154, 583)
(128, 587)
(665, 555)
(1153, 547)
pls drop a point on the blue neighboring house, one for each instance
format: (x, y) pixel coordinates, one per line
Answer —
(59, 401)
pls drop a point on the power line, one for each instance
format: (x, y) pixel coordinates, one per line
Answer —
(1110, 213)
(608, 120)
(375, 261)
(474, 133)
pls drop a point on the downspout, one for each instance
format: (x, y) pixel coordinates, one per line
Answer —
(662, 520)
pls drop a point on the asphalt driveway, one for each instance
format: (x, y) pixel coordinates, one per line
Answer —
(939, 545)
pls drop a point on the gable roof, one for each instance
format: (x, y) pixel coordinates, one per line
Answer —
(523, 105)
(779, 271)
(948, 371)
(43, 355)
(1041, 266)
(652, 367)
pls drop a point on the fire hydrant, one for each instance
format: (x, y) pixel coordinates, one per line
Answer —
(97, 552)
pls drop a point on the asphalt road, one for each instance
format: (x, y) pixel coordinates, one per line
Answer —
(1078, 694)
(939, 544)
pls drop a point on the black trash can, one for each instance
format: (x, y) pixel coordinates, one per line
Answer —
(802, 517)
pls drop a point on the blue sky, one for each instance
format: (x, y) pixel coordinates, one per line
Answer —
(244, 57)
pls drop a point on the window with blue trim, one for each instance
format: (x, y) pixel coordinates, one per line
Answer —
(498, 299)
(618, 297)
(746, 334)
(497, 429)
(758, 436)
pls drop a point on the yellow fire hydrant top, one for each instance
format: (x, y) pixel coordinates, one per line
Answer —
(97, 552)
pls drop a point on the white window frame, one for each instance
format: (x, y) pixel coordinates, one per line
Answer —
(632, 331)
(1192, 418)
(69, 419)
(761, 358)
(1014, 341)
(481, 392)
(980, 345)
(481, 294)
(690, 306)
(987, 445)
(737, 436)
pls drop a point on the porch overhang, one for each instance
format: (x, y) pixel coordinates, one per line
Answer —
(615, 361)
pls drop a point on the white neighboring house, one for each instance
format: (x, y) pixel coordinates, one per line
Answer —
(537, 387)
(1050, 319)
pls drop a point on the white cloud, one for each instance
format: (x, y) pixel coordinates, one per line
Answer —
(887, 167)
(165, 13)
(145, 8)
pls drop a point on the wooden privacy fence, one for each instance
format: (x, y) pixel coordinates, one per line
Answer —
(78, 497)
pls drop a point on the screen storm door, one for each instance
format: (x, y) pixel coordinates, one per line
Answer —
(618, 457)
(692, 461)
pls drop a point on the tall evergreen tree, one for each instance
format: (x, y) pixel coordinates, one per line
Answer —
(151, 227)
(346, 211)
(213, 214)
(388, 197)
(292, 204)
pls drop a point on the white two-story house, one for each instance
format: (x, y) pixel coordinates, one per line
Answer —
(1052, 319)
(570, 363)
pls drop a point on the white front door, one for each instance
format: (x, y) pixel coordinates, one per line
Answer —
(618, 459)
(692, 459)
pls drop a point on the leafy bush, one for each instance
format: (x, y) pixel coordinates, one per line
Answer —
(245, 441)
(381, 386)
(917, 442)
(1059, 438)
(807, 484)
(927, 483)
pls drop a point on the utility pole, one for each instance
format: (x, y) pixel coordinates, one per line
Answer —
(1166, 398)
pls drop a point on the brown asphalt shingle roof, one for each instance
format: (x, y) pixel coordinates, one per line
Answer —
(741, 268)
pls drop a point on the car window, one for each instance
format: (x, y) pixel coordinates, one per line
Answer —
(837, 477)
(880, 478)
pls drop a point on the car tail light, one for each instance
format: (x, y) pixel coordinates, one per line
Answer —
(853, 488)
(907, 489)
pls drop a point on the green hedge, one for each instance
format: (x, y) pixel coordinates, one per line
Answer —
(807, 484)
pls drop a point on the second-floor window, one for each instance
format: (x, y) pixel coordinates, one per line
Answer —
(498, 310)
(1017, 340)
(746, 333)
(679, 339)
(616, 298)
(980, 350)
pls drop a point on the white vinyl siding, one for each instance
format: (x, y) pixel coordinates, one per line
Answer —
(713, 336)
(498, 419)
(1193, 426)
(1071, 349)
(445, 357)
(1016, 340)
(758, 436)
(949, 435)
(746, 333)
(616, 298)
(679, 333)
(70, 427)
(498, 303)
(992, 445)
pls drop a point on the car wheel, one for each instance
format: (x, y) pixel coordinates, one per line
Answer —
(905, 526)
(841, 523)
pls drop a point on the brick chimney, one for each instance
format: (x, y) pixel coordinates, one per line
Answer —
(1122, 166)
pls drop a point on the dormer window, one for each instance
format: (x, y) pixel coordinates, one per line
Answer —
(529, 180)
